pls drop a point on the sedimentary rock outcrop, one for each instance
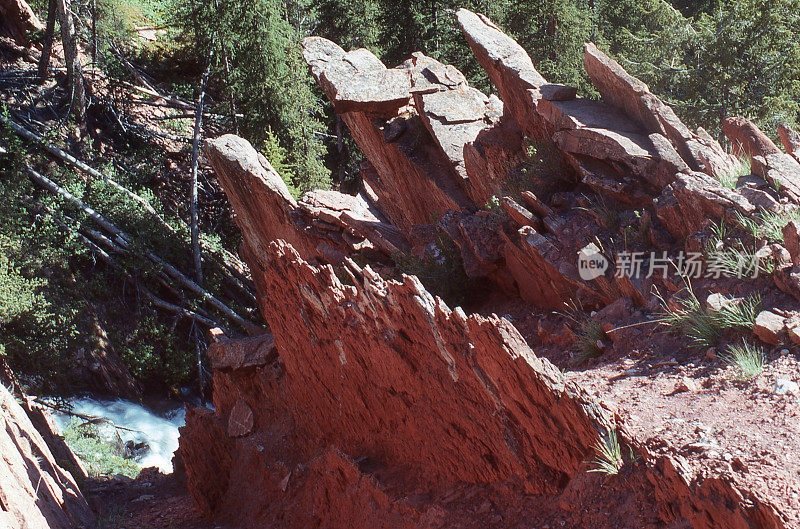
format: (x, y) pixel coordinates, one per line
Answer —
(422, 130)
(632, 96)
(630, 147)
(373, 403)
(35, 492)
(511, 71)
(379, 405)
(323, 225)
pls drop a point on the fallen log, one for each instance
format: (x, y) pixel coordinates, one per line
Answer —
(74, 162)
(126, 241)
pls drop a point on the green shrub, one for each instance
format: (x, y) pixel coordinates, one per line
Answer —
(101, 457)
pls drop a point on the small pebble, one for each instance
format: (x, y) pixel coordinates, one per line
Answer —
(785, 387)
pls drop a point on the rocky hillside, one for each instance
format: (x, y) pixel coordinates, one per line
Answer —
(641, 370)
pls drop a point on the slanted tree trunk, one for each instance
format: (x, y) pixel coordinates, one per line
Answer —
(198, 124)
(69, 40)
(47, 45)
(231, 95)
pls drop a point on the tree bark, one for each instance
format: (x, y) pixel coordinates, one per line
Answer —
(69, 40)
(47, 45)
(198, 124)
(231, 95)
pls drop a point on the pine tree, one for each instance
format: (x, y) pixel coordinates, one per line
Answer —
(350, 23)
(271, 81)
(745, 59)
(648, 37)
(553, 33)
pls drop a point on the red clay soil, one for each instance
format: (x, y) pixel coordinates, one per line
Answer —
(151, 501)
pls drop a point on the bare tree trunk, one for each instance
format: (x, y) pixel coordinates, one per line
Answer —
(199, 347)
(74, 162)
(47, 45)
(231, 95)
(340, 148)
(69, 40)
(198, 124)
(94, 37)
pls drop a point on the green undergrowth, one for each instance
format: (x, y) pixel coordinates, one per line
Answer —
(101, 457)
(59, 301)
(440, 270)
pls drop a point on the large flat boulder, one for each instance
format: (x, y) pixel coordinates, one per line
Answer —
(356, 80)
(620, 89)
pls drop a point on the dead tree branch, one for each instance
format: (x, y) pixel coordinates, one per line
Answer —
(126, 241)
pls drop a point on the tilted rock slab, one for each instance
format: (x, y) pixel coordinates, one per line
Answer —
(35, 493)
(447, 396)
(630, 147)
(380, 392)
(435, 143)
(324, 225)
(412, 182)
(610, 150)
(791, 140)
(781, 170)
(632, 96)
(510, 69)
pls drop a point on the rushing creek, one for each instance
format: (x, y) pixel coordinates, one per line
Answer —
(154, 431)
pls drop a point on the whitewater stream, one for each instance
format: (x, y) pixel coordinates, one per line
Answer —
(159, 430)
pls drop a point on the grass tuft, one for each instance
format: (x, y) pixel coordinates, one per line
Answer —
(608, 455)
(742, 167)
(740, 315)
(768, 225)
(747, 359)
(687, 317)
(589, 335)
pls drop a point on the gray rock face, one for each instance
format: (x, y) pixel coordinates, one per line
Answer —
(454, 113)
(357, 80)
(791, 140)
(782, 171)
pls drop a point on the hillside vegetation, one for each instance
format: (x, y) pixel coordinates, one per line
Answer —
(74, 292)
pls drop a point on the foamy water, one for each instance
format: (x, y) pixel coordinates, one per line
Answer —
(159, 431)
